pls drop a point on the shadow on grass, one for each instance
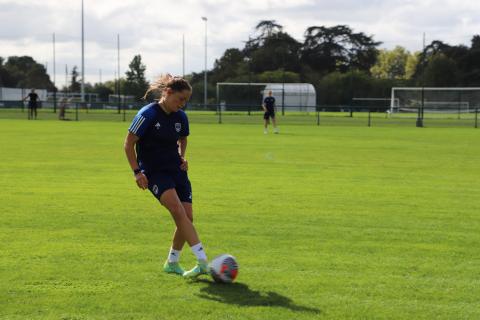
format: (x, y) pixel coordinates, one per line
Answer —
(240, 294)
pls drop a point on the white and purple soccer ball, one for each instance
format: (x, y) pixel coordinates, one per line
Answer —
(224, 268)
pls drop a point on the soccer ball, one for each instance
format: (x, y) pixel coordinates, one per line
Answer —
(224, 268)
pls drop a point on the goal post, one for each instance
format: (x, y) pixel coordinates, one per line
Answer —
(383, 104)
(297, 97)
(435, 101)
(243, 98)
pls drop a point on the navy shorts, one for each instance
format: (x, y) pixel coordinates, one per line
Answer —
(269, 114)
(161, 181)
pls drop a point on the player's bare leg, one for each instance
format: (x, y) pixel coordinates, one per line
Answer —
(274, 122)
(172, 265)
(170, 200)
(186, 231)
(178, 239)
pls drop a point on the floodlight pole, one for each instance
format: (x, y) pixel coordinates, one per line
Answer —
(419, 115)
(118, 70)
(420, 110)
(249, 100)
(66, 81)
(54, 78)
(476, 117)
(183, 56)
(205, 71)
(283, 93)
(83, 60)
(283, 83)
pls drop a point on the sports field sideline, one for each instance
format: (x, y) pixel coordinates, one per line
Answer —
(341, 117)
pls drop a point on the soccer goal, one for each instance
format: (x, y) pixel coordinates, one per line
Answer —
(240, 96)
(376, 104)
(297, 97)
(434, 102)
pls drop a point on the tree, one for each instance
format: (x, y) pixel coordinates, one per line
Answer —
(413, 60)
(272, 55)
(229, 65)
(441, 71)
(471, 74)
(391, 64)
(338, 48)
(25, 72)
(136, 84)
(75, 85)
(279, 76)
(362, 52)
(3, 73)
(475, 42)
(457, 53)
(102, 90)
(114, 85)
(322, 49)
(278, 51)
(339, 88)
(267, 28)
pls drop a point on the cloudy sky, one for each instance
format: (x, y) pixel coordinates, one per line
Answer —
(155, 29)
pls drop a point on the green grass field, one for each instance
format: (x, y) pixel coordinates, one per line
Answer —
(327, 222)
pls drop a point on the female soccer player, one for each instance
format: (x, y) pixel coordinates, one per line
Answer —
(155, 147)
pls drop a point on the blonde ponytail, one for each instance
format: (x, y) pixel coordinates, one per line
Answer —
(167, 81)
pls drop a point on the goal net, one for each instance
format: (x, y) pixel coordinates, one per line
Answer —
(297, 97)
(434, 102)
(240, 96)
(373, 104)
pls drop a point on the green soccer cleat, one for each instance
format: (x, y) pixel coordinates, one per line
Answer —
(173, 267)
(199, 269)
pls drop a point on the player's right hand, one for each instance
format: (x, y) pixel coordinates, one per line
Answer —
(142, 181)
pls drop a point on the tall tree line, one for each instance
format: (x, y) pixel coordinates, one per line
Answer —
(338, 61)
(25, 72)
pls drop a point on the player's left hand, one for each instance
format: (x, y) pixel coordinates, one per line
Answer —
(184, 164)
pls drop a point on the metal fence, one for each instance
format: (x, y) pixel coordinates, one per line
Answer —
(346, 115)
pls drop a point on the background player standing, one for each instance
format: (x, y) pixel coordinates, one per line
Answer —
(32, 104)
(269, 108)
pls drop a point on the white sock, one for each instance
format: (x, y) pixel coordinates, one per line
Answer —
(199, 252)
(174, 255)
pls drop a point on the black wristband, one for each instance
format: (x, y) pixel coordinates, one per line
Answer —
(137, 171)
